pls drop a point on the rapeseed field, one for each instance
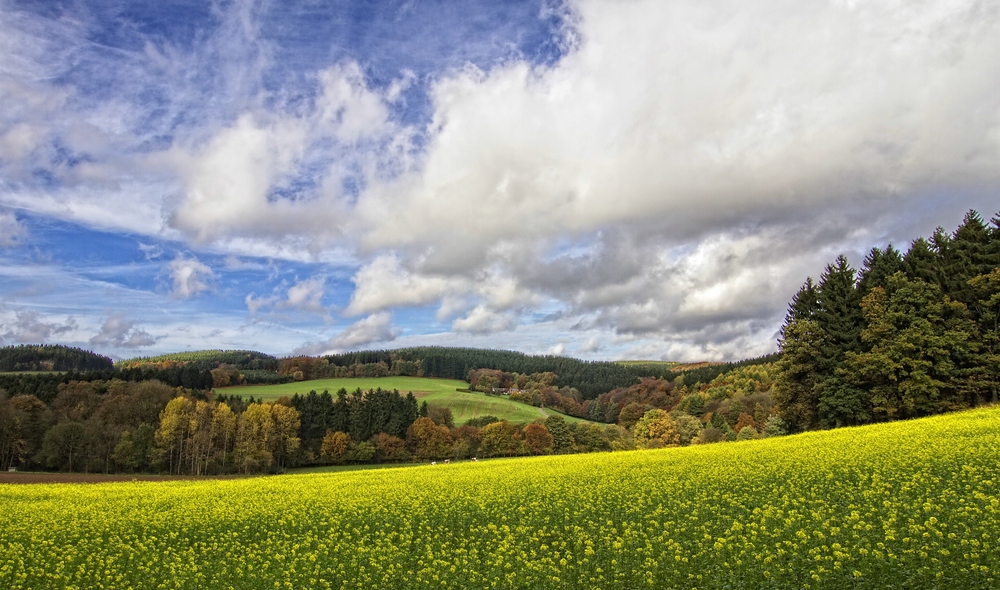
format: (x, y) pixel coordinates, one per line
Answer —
(904, 505)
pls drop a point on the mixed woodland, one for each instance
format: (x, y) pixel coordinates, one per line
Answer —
(908, 334)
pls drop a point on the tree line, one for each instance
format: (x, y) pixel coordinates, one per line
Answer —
(910, 334)
(51, 357)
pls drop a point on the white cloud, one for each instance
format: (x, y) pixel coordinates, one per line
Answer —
(119, 332)
(29, 327)
(189, 277)
(373, 329)
(385, 283)
(304, 296)
(776, 140)
(672, 178)
(307, 296)
(593, 344)
(12, 232)
(556, 349)
(150, 251)
(256, 304)
(482, 320)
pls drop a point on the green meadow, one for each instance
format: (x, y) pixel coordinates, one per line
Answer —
(439, 392)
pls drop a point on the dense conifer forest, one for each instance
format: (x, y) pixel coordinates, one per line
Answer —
(909, 334)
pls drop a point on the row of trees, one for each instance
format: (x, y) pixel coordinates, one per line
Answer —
(361, 415)
(909, 335)
(200, 437)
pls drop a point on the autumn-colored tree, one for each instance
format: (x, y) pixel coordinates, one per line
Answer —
(630, 415)
(538, 439)
(619, 438)
(335, 446)
(441, 415)
(389, 448)
(223, 434)
(656, 429)
(285, 442)
(743, 421)
(255, 431)
(430, 441)
(172, 433)
(500, 439)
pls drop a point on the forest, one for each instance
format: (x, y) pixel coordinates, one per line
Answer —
(910, 334)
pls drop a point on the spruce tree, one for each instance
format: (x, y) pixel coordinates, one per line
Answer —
(879, 265)
(922, 262)
(839, 318)
(804, 302)
(966, 256)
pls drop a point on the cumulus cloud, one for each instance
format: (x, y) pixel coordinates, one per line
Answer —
(120, 332)
(385, 283)
(12, 232)
(700, 115)
(688, 165)
(482, 320)
(307, 296)
(243, 180)
(375, 328)
(671, 178)
(593, 344)
(29, 327)
(304, 296)
(189, 277)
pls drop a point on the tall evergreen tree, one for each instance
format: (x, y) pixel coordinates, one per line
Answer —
(967, 255)
(839, 318)
(922, 262)
(804, 303)
(799, 344)
(879, 265)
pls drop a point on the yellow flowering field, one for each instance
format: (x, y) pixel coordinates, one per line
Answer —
(903, 505)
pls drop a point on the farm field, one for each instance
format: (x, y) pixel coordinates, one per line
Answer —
(903, 505)
(441, 392)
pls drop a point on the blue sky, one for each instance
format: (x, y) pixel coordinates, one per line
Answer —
(600, 179)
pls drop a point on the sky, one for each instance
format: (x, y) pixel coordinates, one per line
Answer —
(635, 179)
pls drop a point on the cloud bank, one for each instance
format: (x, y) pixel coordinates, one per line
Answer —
(657, 179)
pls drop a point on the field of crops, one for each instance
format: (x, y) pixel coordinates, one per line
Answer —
(906, 505)
(441, 392)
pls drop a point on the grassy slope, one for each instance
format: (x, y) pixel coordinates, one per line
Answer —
(440, 392)
(900, 506)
